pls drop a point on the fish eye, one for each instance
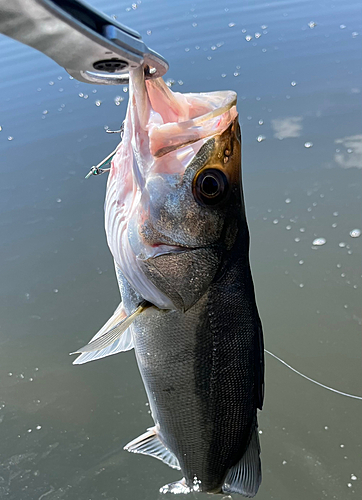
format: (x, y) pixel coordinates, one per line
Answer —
(210, 187)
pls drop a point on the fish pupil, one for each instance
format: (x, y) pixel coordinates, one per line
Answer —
(210, 185)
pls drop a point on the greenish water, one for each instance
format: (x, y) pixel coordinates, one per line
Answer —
(62, 427)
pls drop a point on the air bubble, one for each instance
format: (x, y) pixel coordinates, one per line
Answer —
(261, 122)
(293, 83)
(355, 233)
(341, 244)
(98, 103)
(308, 145)
(231, 25)
(248, 38)
(261, 138)
(275, 221)
(288, 200)
(312, 24)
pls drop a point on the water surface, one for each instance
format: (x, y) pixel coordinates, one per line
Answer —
(296, 66)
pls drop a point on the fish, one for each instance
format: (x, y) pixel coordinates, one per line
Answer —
(176, 226)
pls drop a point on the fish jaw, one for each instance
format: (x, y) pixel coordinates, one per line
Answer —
(152, 218)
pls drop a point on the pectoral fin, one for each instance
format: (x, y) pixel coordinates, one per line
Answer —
(107, 341)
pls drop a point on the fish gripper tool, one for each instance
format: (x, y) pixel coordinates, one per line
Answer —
(91, 46)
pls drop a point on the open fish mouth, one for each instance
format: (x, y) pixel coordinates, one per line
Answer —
(168, 138)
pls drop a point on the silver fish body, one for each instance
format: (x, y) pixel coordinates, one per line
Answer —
(176, 226)
(202, 371)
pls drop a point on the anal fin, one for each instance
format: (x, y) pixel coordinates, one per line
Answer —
(245, 476)
(150, 444)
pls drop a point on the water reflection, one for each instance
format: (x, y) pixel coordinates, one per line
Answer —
(352, 154)
(287, 127)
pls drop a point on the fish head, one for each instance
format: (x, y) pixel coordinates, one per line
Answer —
(174, 202)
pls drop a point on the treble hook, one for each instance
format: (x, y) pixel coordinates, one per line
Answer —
(97, 170)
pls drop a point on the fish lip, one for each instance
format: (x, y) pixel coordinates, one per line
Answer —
(172, 249)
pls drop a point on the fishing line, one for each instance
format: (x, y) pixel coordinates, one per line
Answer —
(311, 380)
